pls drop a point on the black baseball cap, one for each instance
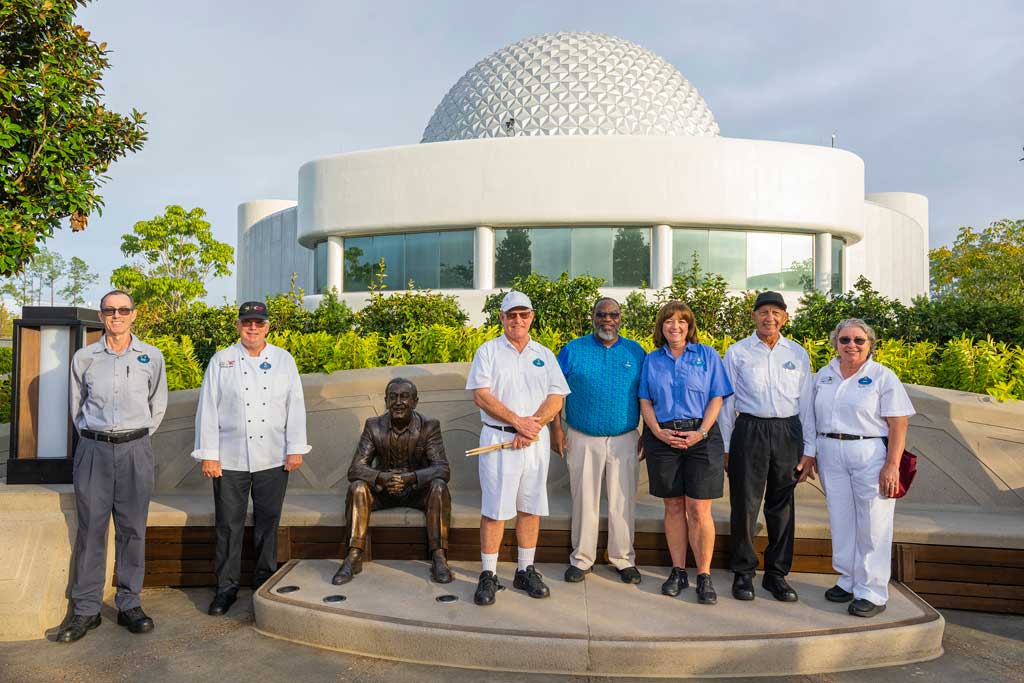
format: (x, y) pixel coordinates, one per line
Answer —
(773, 298)
(253, 310)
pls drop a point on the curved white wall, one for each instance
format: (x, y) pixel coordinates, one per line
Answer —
(894, 251)
(583, 180)
(268, 251)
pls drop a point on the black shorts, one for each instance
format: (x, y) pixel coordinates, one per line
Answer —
(697, 472)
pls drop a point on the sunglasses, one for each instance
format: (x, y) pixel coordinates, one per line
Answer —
(610, 315)
(252, 323)
(512, 315)
(859, 341)
(110, 310)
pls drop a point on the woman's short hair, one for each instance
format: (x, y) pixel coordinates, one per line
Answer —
(833, 337)
(666, 312)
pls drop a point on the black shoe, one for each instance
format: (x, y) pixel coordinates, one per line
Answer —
(135, 620)
(352, 565)
(486, 587)
(222, 601)
(629, 575)
(575, 574)
(676, 582)
(742, 587)
(439, 571)
(706, 590)
(77, 628)
(779, 587)
(532, 582)
(837, 594)
(864, 608)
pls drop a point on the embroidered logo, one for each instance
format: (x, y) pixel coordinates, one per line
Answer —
(827, 379)
(227, 363)
(699, 362)
(265, 365)
(628, 364)
(538, 362)
(143, 358)
(864, 380)
(789, 365)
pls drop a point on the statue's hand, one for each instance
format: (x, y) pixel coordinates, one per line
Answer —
(397, 482)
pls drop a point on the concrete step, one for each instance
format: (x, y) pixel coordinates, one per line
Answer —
(600, 627)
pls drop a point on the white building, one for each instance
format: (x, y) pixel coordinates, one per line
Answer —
(581, 153)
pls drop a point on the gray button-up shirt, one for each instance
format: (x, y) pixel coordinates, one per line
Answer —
(113, 392)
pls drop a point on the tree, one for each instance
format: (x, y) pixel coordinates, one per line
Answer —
(57, 139)
(178, 255)
(982, 266)
(79, 277)
(48, 266)
(20, 288)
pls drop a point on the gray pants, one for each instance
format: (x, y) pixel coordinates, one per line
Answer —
(230, 500)
(118, 479)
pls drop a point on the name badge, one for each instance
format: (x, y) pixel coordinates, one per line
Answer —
(699, 362)
(227, 363)
(538, 362)
(143, 358)
(789, 365)
(827, 379)
(864, 381)
(265, 365)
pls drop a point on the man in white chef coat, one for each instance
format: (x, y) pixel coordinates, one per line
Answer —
(250, 433)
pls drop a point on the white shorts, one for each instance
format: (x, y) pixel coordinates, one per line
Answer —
(513, 480)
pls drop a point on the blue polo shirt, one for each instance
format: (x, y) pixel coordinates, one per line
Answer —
(680, 388)
(604, 382)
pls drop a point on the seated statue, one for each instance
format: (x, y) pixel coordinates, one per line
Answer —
(399, 462)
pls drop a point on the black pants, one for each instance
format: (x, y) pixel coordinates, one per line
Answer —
(231, 498)
(763, 455)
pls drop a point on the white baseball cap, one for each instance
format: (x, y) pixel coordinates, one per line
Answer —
(515, 299)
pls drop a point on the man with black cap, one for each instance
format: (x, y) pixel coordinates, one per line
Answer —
(250, 433)
(770, 445)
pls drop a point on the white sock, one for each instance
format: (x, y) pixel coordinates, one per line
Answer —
(489, 562)
(526, 557)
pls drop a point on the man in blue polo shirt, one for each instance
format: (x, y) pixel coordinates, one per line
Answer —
(600, 440)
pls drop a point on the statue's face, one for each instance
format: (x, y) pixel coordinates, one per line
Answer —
(401, 400)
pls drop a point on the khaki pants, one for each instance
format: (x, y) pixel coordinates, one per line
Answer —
(589, 459)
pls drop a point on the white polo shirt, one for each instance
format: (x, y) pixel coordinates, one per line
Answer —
(859, 404)
(769, 382)
(520, 381)
(251, 412)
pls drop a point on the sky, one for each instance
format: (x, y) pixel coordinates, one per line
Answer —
(238, 95)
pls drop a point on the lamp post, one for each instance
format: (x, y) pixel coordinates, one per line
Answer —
(42, 437)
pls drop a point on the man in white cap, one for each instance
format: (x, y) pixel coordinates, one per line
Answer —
(519, 388)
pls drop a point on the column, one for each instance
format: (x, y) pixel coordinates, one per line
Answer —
(823, 262)
(335, 264)
(661, 256)
(483, 258)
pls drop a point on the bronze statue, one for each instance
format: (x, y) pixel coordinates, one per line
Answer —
(399, 462)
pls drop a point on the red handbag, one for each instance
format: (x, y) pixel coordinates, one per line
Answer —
(908, 470)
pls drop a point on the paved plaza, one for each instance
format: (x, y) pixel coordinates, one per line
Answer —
(189, 646)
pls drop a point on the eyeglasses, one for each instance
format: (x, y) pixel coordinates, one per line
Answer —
(512, 315)
(110, 310)
(252, 323)
(611, 315)
(859, 341)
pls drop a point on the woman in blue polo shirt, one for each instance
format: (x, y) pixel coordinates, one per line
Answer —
(682, 387)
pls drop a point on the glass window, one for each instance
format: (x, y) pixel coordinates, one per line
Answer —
(686, 242)
(747, 260)
(838, 249)
(590, 253)
(551, 252)
(431, 260)
(727, 255)
(797, 262)
(621, 256)
(320, 267)
(513, 251)
(631, 257)
(764, 260)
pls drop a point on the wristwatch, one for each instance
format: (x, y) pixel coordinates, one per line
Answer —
(703, 434)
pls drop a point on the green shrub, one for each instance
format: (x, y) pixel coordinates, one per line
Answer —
(561, 305)
(951, 316)
(332, 316)
(820, 313)
(409, 310)
(211, 328)
(6, 360)
(287, 312)
(180, 362)
(5, 400)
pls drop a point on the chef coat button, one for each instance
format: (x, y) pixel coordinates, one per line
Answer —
(264, 388)
(246, 405)
(248, 420)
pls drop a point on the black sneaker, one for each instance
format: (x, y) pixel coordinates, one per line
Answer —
(78, 627)
(676, 582)
(706, 590)
(837, 594)
(864, 608)
(575, 574)
(629, 575)
(486, 587)
(532, 582)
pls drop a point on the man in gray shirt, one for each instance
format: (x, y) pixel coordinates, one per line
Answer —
(118, 397)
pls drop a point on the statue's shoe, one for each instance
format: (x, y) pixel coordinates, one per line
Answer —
(439, 572)
(349, 568)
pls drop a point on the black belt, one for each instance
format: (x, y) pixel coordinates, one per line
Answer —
(748, 416)
(681, 425)
(846, 437)
(510, 430)
(115, 437)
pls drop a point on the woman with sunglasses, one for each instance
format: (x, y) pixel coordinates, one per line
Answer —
(861, 412)
(682, 386)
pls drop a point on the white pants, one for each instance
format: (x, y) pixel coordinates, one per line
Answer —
(591, 459)
(513, 480)
(859, 516)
